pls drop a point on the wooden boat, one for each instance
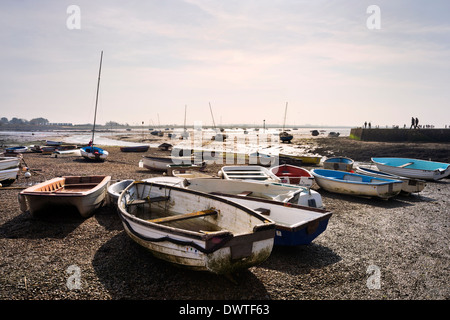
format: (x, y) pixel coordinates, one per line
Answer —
(356, 184)
(413, 168)
(9, 162)
(293, 175)
(299, 159)
(257, 173)
(115, 189)
(90, 152)
(86, 193)
(409, 185)
(338, 163)
(193, 229)
(295, 225)
(285, 193)
(163, 163)
(134, 149)
(94, 153)
(18, 149)
(8, 176)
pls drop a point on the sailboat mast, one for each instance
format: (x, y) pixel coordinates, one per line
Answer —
(185, 117)
(212, 116)
(285, 111)
(96, 99)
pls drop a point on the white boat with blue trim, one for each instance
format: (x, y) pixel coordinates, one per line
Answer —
(413, 168)
(409, 185)
(356, 184)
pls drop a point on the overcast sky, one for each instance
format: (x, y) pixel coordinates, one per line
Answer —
(334, 62)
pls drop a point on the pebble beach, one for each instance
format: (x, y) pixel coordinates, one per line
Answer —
(372, 249)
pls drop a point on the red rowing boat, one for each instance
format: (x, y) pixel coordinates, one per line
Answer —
(293, 175)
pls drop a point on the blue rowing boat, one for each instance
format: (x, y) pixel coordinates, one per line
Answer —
(413, 168)
(356, 184)
(338, 163)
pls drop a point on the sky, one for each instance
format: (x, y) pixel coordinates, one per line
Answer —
(332, 63)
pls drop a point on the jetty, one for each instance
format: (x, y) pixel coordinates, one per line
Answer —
(401, 135)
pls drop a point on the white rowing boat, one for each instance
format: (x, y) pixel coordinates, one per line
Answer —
(413, 168)
(409, 185)
(295, 225)
(193, 229)
(356, 184)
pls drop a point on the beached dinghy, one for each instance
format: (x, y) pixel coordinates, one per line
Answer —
(143, 148)
(293, 175)
(115, 189)
(295, 225)
(9, 162)
(163, 163)
(19, 149)
(86, 193)
(409, 185)
(299, 160)
(8, 176)
(256, 173)
(338, 163)
(356, 184)
(285, 193)
(94, 153)
(413, 168)
(193, 229)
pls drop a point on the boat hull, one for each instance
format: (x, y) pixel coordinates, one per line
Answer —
(279, 192)
(355, 184)
(134, 149)
(9, 162)
(94, 153)
(338, 163)
(86, 196)
(163, 163)
(409, 185)
(293, 175)
(8, 176)
(255, 173)
(239, 237)
(295, 225)
(115, 189)
(413, 168)
(287, 158)
(20, 149)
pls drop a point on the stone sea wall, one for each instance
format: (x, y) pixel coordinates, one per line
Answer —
(398, 135)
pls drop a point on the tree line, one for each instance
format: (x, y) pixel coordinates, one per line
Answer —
(16, 121)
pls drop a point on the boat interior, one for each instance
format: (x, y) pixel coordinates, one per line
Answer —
(68, 184)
